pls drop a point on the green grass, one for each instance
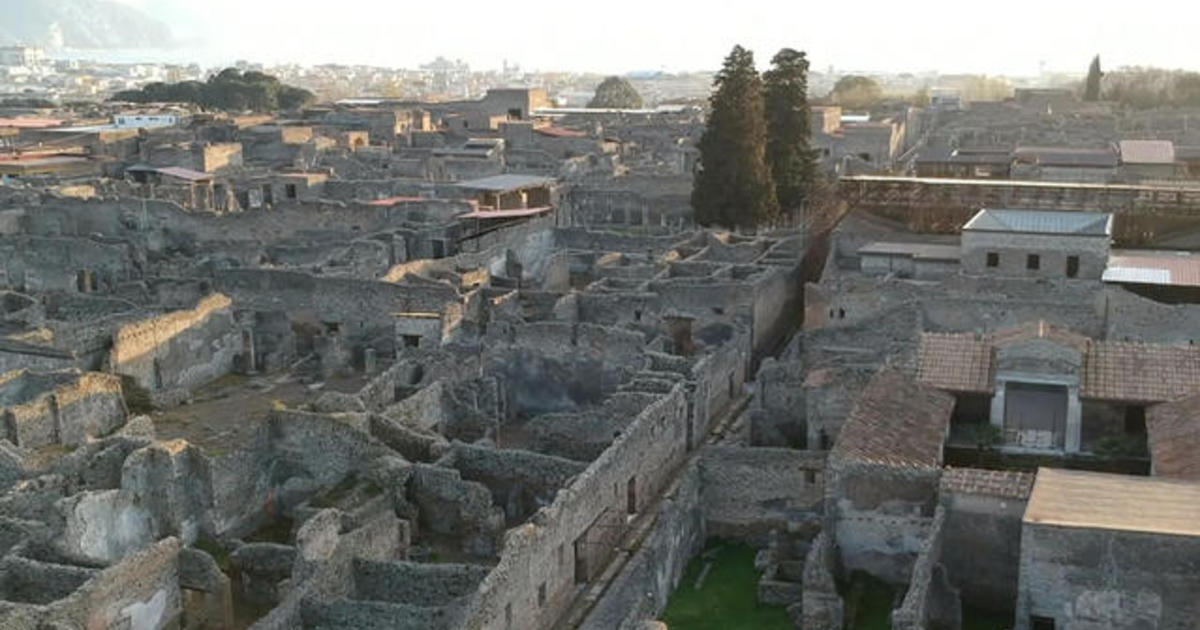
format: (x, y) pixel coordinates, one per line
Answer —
(974, 619)
(729, 598)
(871, 603)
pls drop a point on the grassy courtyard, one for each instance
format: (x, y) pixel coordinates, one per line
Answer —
(728, 598)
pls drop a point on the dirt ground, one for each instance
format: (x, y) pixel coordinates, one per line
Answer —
(224, 414)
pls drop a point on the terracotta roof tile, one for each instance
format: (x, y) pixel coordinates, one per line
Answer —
(1173, 430)
(1008, 484)
(955, 362)
(895, 422)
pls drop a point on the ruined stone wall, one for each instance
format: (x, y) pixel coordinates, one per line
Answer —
(33, 263)
(538, 558)
(140, 591)
(982, 547)
(718, 379)
(775, 300)
(642, 589)
(180, 350)
(747, 492)
(1131, 317)
(1092, 578)
(76, 409)
(931, 602)
(880, 516)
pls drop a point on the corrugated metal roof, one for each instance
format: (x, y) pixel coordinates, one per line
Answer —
(500, 183)
(1073, 498)
(1041, 222)
(1147, 152)
(1065, 156)
(504, 214)
(1181, 269)
(185, 173)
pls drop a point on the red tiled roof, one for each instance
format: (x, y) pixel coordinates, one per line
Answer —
(1117, 371)
(560, 132)
(895, 422)
(1007, 484)
(1173, 431)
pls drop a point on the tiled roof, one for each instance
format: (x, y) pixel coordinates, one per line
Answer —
(1112, 370)
(895, 422)
(1041, 222)
(955, 362)
(1173, 430)
(1117, 370)
(1007, 484)
(1073, 498)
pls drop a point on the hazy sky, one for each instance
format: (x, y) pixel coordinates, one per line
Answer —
(624, 35)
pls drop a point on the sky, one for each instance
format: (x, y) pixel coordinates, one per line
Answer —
(1015, 37)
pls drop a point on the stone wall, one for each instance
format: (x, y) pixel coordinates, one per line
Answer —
(747, 492)
(535, 577)
(982, 547)
(931, 602)
(1052, 251)
(880, 516)
(644, 586)
(180, 350)
(1094, 578)
(66, 408)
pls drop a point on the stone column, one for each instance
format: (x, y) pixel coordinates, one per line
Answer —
(1074, 420)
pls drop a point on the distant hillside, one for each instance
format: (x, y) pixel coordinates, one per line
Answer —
(83, 24)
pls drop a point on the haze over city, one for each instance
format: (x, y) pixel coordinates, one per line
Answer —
(629, 35)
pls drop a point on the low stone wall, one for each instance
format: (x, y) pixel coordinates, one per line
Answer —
(66, 408)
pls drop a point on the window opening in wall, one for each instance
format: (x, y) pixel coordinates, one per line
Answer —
(1041, 623)
(268, 197)
(823, 439)
(1033, 262)
(631, 496)
(290, 191)
(1072, 266)
(541, 594)
(866, 157)
(514, 114)
(810, 476)
(637, 316)
(993, 259)
(439, 248)
(1135, 420)
(332, 327)
(841, 313)
(411, 341)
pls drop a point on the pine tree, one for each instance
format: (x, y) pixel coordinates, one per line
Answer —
(791, 159)
(733, 186)
(1091, 90)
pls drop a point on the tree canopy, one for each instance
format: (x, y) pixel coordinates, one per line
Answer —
(856, 92)
(733, 186)
(616, 93)
(1144, 88)
(229, 90)
(785, 99)
(1091, 88)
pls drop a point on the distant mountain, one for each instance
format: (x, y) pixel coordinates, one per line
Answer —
(79, 24)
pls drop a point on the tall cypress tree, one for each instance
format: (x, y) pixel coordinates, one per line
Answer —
(733, 186)
(785, 96)
(1091, 90)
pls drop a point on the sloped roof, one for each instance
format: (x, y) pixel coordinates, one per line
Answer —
(501, 183)
(1067, 156)
(1112, 370)
(956, 362)
(1091, 500)
(1007, 484)
(1041, 222)
(895, 422)
(1179, 269)
(1173, 429)
(1147, 152)
(1143, 372)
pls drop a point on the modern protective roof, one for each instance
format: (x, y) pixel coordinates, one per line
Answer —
(1041, 222)
(502, 183)
(1147, 152)
(1067, 157)
(1168, 268)
(505, 214)
(1091, 500)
